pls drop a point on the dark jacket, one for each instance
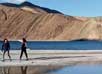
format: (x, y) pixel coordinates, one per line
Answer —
(6, 46)
(23, 46)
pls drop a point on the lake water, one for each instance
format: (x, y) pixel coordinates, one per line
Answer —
(80, 69)
(58, 45)
(28, 69)
(74, 69)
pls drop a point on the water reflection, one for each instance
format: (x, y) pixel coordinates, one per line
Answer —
(13, 70)
(6, 70)
(28, 69)
(24, 70)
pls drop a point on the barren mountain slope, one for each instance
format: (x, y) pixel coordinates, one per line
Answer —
(16, 23)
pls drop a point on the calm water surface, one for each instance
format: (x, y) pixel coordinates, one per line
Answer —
(74, 69)
(80, 69)
(58, 45)
(28, 69)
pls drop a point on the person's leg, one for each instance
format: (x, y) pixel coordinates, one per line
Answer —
(26, 54)
(4, 55)
(9, 55)
(21, 54)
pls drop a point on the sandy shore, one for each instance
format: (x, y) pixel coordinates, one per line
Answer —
(53, 57)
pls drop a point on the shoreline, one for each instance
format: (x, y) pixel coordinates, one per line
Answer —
(38, 40)
(55, 40)
(53, 57)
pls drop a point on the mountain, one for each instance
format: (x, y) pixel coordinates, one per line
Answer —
(17, 21)
(31, 7)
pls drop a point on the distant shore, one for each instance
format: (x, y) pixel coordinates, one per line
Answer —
(55, 40)
(37, 40)
(53, 57)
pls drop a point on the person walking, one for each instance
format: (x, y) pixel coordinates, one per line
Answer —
(6, 48)
(23, 49)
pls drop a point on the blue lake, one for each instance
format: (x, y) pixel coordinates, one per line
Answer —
(80, 69)
(58, 45)
(74, 69)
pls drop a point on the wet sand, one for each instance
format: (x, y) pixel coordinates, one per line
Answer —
(46, 61)
(53, 57)
(28, 69)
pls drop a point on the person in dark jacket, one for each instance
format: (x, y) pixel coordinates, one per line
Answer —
(6, 48)
(23, 49)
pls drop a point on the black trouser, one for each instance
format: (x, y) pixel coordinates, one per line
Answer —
(8, 54)
(24, 51)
